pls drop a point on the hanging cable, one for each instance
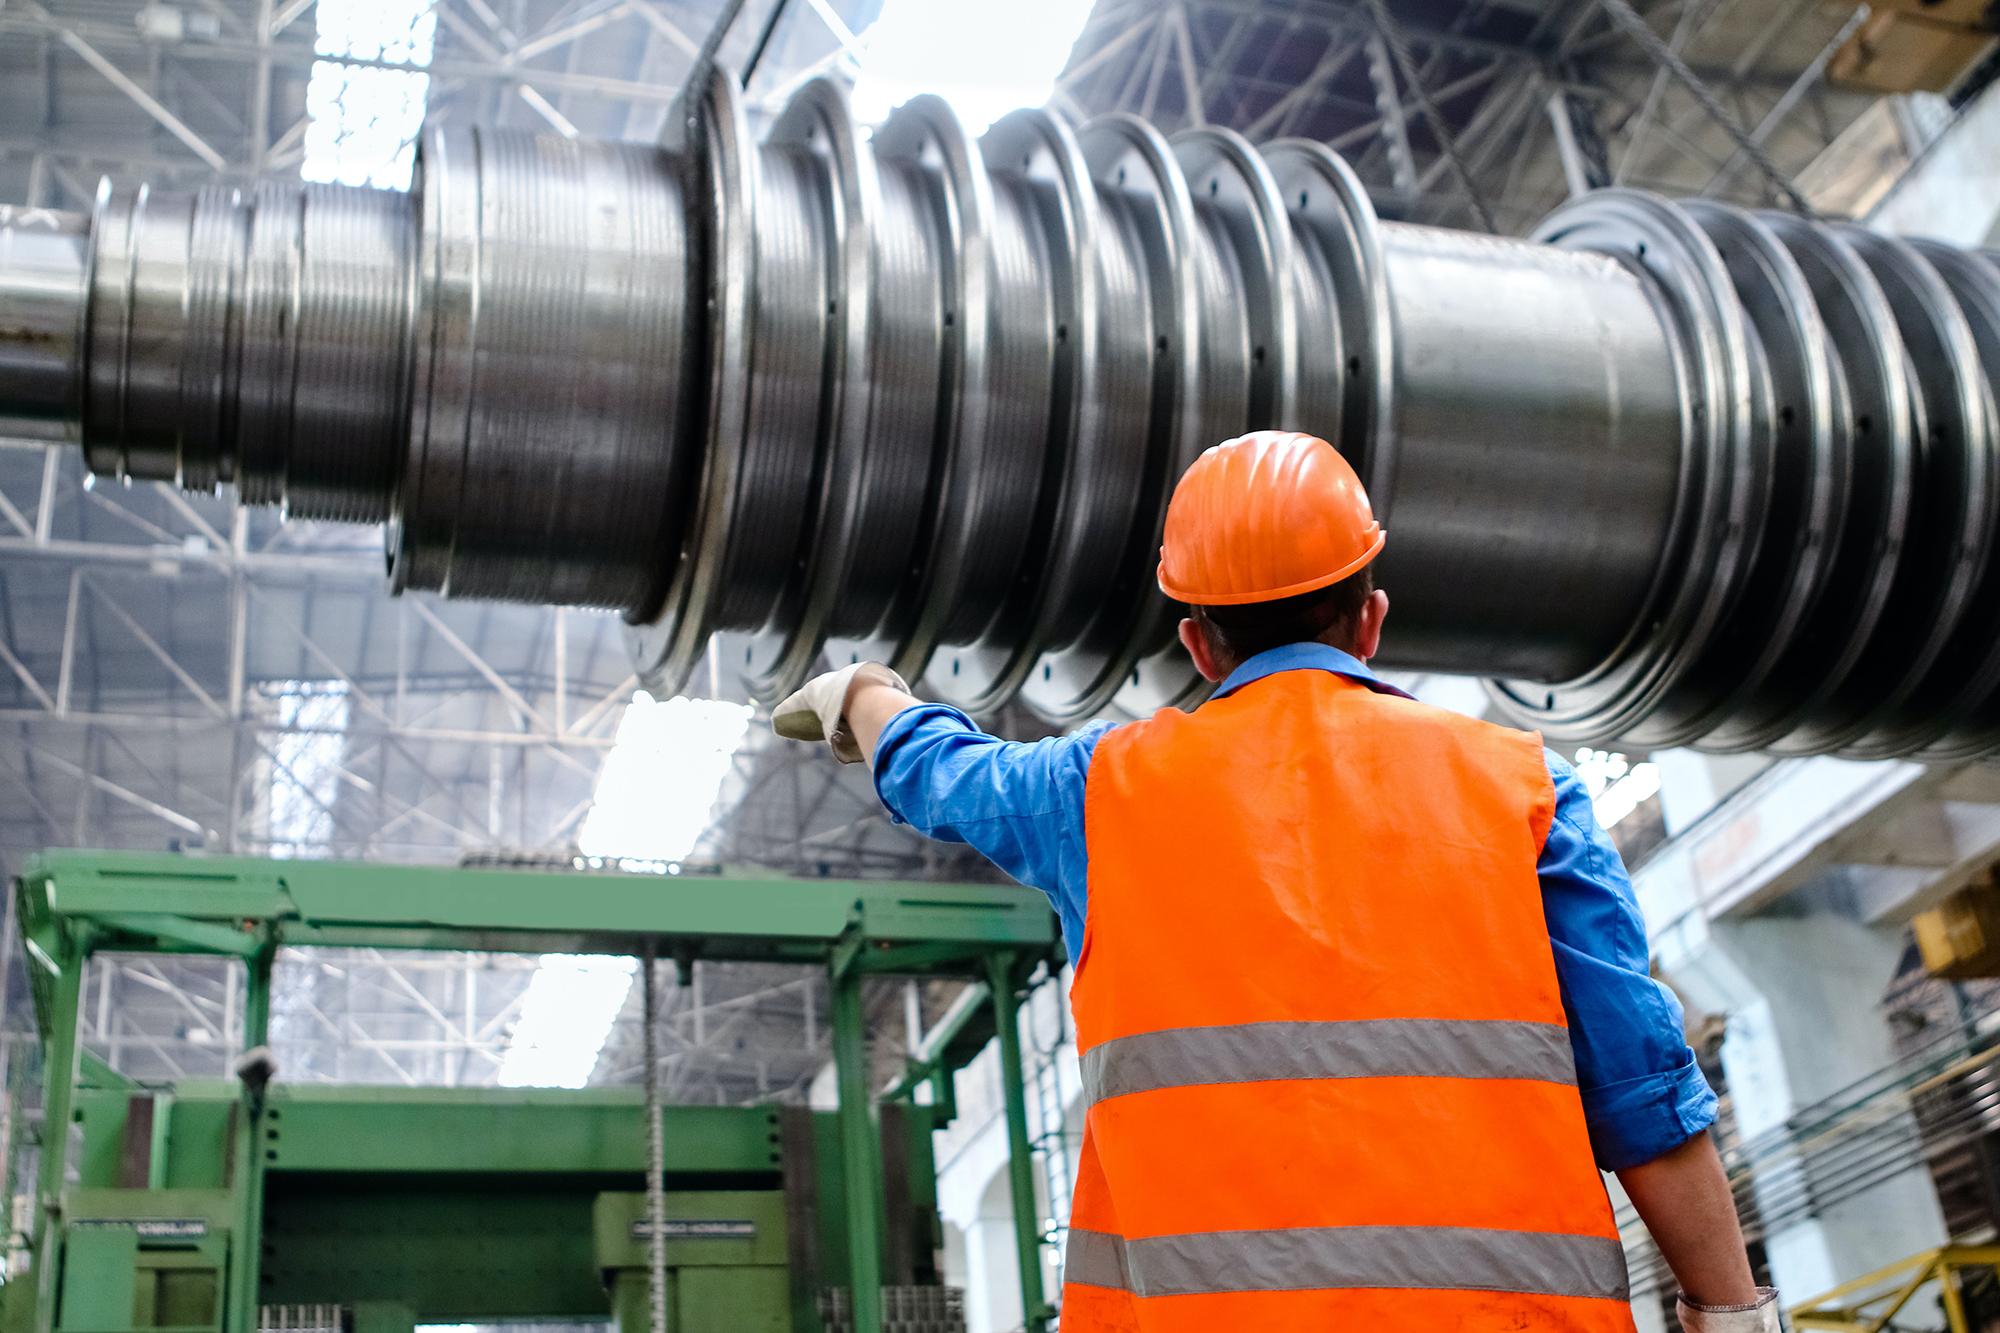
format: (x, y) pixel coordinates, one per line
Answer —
(656, 1149)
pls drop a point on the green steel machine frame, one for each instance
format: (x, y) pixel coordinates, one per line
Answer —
(207, 1206)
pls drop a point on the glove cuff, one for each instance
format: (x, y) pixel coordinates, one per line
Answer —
(1762, 1317)
(838, 738)
(880, 674)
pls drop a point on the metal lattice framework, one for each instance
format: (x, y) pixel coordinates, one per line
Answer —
(1717, 98)
(140, 723)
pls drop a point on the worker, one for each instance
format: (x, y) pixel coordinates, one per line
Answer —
(1361, 990)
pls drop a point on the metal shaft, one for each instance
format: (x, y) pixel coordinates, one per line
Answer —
(1674, 474)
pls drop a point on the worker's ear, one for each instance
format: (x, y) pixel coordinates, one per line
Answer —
(1368, 625)
(1201, 651)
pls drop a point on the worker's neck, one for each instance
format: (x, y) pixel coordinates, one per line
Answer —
(1345, 643)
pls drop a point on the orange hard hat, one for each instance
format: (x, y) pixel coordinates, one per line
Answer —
(1270, 514)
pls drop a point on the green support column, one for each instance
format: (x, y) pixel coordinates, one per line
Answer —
(247, 1171)
(1020, 1155)
(58, 1094)
(860, 1150)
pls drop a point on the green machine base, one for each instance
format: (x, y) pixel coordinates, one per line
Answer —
(317, 1208)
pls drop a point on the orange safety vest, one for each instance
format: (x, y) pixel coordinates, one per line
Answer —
(1329, 1078)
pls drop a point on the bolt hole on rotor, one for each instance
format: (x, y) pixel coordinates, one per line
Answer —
(1354, 365)
(1641, 249)
(1303, 196)
(1257, 356)
(1786, 417)
(1213, 186)
(1864, 425)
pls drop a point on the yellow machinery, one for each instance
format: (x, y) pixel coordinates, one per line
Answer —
(1869, 1304)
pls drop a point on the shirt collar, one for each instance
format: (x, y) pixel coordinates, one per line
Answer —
(1306, 657)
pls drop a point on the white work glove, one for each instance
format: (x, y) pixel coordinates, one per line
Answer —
(816, 712)
(1759, 1318)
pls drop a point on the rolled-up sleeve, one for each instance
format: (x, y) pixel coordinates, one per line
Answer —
(1017, 803)
(1643, 1094)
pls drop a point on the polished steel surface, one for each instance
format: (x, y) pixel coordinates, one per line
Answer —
(1744, 678)
(545, 463)
(253, 336)
(1826, 681)
(1723, 468)
(1935, 610)
(44, 272)
(1528, 372)
(1672, 474)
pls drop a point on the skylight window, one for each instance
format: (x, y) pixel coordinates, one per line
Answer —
(656, 793)
(985, 57)
(655, 798)
(365, 120)
(572, 1001)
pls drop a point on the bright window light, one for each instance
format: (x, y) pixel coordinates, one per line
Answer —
(305, 777)
(985, 57)
(655, 798)
(571, 1003)
(365, 120)
(656, 793)
(1617, 786)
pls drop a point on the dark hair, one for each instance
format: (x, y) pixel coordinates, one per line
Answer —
(1244, 631)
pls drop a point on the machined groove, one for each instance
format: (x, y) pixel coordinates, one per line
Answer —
(1942, 564)
(972, 513)
(1671, 474)
(1723, 473)
(1832, 654)
(1794, 396)
(1975, 285)
(788, 440)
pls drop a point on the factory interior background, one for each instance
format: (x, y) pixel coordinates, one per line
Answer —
(242, 727)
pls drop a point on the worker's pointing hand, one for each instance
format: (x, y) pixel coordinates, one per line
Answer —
(816, 711)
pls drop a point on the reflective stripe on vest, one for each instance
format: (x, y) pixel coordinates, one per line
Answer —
(1371, 1048)
(1313, 1258)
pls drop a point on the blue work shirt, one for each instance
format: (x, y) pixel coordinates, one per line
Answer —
(1020, 804)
